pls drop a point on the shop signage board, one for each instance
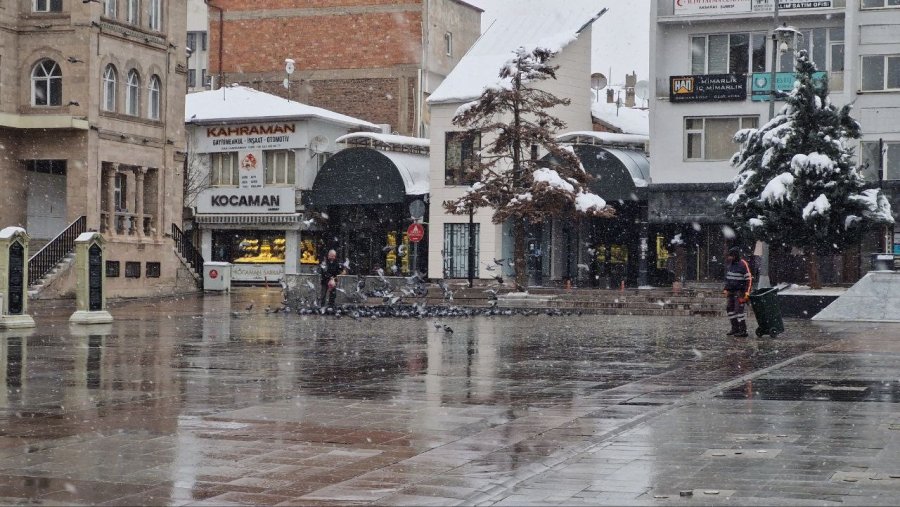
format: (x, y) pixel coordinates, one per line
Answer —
(703, 7)
(257, 272)
(708, 88)
(249, 137)
(768, 5)
(250, 169)
(690, 7)
(263, 200)
(760, 85)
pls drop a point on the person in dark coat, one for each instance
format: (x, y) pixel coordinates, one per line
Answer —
(331, 268)
(738, 283)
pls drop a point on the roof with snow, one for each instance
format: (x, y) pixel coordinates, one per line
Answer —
(530, 24)
(627, 120)
(376, 140)
(239, 103)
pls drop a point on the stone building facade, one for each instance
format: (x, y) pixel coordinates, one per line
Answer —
(91, 124)
(372, 59)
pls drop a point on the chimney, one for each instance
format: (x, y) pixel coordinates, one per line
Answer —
(610, 96)
(630, 82)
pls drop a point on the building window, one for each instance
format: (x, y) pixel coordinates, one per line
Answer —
(881, 72)
(223, 171)
(120, 192)
(133, 12)
(153, 270)
(155, 18)
(133, 94)
(46, 84)
(202, 41)
(728, 53)
(47, 5)
(57, 167)
(448, 43)
(112, 269)
(132, 270)
(280, 167)
(713, 138)
(878, 4)
(462, 154)
(110, 80)
(110, 8)
(875, 156)
(154, 98)
(826, 49)
(196, 41)
(321, 158)
(192, 78)
(204, 79)
(456, 250)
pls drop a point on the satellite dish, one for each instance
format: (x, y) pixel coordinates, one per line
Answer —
(598, 81)
(642, 90)
(289, 66)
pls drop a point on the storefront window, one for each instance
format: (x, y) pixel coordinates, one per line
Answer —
(249, 247)
(308, 252)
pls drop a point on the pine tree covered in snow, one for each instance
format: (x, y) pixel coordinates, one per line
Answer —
(513, 118)
(796, 184)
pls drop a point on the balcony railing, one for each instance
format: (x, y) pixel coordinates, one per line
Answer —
(127, 224)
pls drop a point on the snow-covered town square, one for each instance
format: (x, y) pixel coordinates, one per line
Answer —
(449, 252)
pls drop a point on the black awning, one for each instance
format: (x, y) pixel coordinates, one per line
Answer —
(356, 176)
(618, 173)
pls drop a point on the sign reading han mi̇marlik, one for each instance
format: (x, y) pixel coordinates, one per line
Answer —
(247, 137)
(218, 200)
(708, 88)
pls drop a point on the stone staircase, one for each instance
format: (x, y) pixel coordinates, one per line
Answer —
(36, 287)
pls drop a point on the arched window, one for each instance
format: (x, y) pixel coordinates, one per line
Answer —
(110, 9)
(153, 98)
(133, 94)
(110, 80)
(46, 84)
(133, 11)
(155, 18)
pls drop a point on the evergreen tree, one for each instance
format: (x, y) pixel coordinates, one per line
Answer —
(796, 184)
(513, 117)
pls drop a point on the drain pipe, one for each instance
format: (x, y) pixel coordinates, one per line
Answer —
(221, 40)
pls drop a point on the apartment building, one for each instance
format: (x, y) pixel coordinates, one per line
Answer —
(372, 59)
(91, 124)
(198, 77)
(711, 63)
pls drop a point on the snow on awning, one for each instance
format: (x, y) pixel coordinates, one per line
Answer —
(632, 141)
(618, 173)
(390, 141)
(368, 176)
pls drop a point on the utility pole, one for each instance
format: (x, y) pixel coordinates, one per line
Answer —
(764, 281)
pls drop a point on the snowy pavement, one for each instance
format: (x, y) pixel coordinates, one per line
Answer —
(202, 401)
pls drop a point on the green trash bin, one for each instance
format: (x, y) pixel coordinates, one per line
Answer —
(767, 312)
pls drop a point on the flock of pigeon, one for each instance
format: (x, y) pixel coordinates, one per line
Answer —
(394, 301)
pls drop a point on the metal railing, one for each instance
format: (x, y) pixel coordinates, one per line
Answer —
(188, 251)
(55, 251)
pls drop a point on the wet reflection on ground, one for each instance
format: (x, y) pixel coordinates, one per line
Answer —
(198, 400)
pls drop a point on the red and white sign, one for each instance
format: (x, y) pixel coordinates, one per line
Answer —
(213, 274)
(687, 7)
(415, 232)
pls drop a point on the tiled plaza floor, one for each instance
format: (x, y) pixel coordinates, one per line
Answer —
(199, 401)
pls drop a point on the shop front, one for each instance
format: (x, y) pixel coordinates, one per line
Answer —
(368, 198)
(255, 229)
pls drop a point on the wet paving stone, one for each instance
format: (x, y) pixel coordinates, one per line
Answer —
(184, 402)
